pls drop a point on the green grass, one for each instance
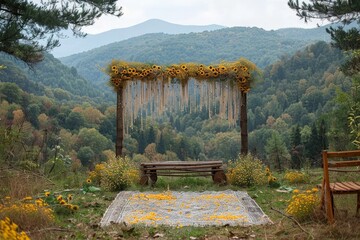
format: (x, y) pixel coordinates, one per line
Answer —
(84, 223)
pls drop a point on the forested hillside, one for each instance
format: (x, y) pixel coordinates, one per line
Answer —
(51, 78)
(295, 98)
(228, 44)
(72, 45)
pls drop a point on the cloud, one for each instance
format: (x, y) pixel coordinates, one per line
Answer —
(267, 14)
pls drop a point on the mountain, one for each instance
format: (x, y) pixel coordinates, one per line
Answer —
(260, 46)
(51, 78)
(73, 45)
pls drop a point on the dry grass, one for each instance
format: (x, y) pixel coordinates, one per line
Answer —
(18, 184)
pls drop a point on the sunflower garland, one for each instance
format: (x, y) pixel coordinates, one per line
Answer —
(151, 89)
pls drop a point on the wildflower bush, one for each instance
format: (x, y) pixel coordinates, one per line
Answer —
(9, 231)
(95, 175)
(28, 213)
(302, 205)
(119, 173)
(246, 171)
(296, 177)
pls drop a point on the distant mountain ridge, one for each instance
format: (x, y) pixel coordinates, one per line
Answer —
(226, 44)
(73, 45)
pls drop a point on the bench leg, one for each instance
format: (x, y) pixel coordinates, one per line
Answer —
(358, 205)
(153, 177)
(144, 180)
(220, 178)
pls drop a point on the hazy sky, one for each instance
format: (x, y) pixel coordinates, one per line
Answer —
(266, 14)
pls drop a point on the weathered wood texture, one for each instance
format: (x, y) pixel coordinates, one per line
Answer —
(331, 188)
(150, 171)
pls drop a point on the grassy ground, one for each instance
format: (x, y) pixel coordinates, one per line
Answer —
(84, 223)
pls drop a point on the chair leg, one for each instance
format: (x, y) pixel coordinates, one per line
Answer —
(358, 205)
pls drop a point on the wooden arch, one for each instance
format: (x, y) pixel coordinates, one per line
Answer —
(141, 85)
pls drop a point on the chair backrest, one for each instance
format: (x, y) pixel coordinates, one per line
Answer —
(332, 166)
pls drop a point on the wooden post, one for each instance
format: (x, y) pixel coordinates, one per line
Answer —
(243, 124)
(119, 121)
(328, 204)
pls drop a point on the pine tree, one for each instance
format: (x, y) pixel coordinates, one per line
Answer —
(161, 145)
(297, 148)
(313, 147)
(276, 151)
(28, 28)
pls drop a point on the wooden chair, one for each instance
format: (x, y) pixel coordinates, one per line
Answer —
(346, 187)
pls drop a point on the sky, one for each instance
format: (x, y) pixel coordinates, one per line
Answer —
(266, 14)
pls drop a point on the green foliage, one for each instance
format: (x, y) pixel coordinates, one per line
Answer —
(85, 154)
(346, 12)
(276, 151)
(247, 171)
(25, 24)
(119, 173)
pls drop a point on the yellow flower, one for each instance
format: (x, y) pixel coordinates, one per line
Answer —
(75, 207)
(88, 180)
(296, 191)
(315, 189)
(59, 198)
(70, 197)
(47, 194)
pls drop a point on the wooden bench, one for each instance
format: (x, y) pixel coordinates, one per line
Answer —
(346, 187)
(151, 170)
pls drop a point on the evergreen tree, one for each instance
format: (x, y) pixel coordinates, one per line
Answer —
(276, 151)
(151, 136)
(141, 142)
(297, 148)
(161, 145)
(313, 147)
(182, 154)
(345, 12)
(24, 25)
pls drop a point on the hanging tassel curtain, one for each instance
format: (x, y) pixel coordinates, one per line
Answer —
(152, 89)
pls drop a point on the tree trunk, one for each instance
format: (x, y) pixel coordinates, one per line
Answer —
(243, 124)
(119, 122)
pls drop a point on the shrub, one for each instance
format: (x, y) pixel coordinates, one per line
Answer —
(28, 213)
(296, 177)
(247, 171)
(95, 175)
(9, 231)
(302, 205)
(119, 173)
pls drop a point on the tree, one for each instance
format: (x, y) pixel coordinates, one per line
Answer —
(334, 11)
(276, 151)
(85, 154)
(161, 145)
(27, 28)
(74, 121)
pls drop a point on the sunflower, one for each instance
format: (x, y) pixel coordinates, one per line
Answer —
(47, 194)
(75, 207)
(62, 202)
(70, 197)
(59, 198)
(88, 180)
